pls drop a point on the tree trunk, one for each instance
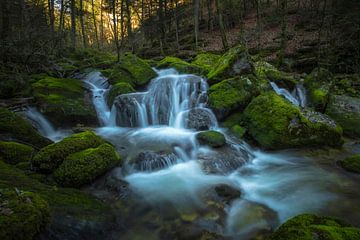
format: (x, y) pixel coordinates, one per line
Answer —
(115, 29)
(82, 24)
(210, 15)
(196, 21)
(128, 26)
(101, 23)
(51, 7)
(73, 24)
(283, 6)
(221, 25)
(95, 25)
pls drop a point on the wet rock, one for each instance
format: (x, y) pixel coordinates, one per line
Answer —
(346, 111)
(150, 160)
(127, 114)
(200, 119)
(351, 163)
(211, 138)
(227, 193)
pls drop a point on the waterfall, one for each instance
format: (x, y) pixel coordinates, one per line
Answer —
(43, 125)
(297, 97)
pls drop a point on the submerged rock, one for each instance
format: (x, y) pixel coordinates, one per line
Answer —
(310, 227)
(211, 138)
(346, 111)
(83, 167)
(14, 127)
(150, 160)
(351, 163)
(14, 153)
(227, 193)
(23, 214)
(51, 157)
(276, 124)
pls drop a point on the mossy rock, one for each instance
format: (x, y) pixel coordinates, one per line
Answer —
(206, 61)
(238, 130)
(130, 69)
(14, 127)
(83, 167)
(74, 214)
(234, 62)
(118, 89)
(91, 58)
(346, 111)
(180, 65)
(275, 124)
(268, 72)
(318, 85)
(13, 152)
(232, 94)
(348, 85)
(211, 138)
(13, 84)
(63, 101)
(351, 163)
(22, 214)
(312, 227)
(52, 156)
(232, 120)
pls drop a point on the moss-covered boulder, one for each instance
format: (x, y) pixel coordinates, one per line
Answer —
(118, 89)
(238, 130)
(14, 153)
(348, 85)
(130, 69)
(83, 167)
(52, 156)
(351, 163)
(63, 101)
(211, 138)
(180, 65)
(346, 111)
(311, 227)
(234, 62)
(268, 72)
(22, 214)
(232, 94)
(91, 58)
(14, 127)
(13, 84)
(74, 214)
(275, 123)
(318, 85)
(206, 61)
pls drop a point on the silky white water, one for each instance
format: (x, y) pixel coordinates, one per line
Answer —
(296, 97)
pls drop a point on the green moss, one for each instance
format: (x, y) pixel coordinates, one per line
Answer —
(22, 214)
(13, 152)
(310, 227)
(233, 119)
(234, 62)
(86, 58)
(24, 165)
(275, 123)
(206, 61)
(238, 131)
(211, 138)
(13, 84)
(50, 157)
(118, 89)
(83, 167)
(347, 85)
(14, 127)
(180, 65)
(62, 101)
(231, 94)
(352, 163)
(318, 84)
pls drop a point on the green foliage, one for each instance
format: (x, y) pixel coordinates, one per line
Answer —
(206, 61)
(352, 163)
(51, 157)
(62, 101)
(83, 167)
(180, 65)
(275, 123)
(211, 138)
(234, 62)
(310, 227)
(14, 127)
(13, 152)
(118, 89)
(22, 214)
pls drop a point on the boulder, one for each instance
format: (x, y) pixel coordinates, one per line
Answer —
(23, 214)
(309, 227)
(227, 193)
(211, 138)
(14, 127)
(117, 90)
(150, 160)
(206, 61)
(234, 62)
(51, 157)
(232, 94)
(127, 114)
(14, 153)
(318, 84)
(351, 164)
(64, 102)
(199, 119)
(180, 65)
(275, 124)
(346, 111)
(130, 69)
(83, 167)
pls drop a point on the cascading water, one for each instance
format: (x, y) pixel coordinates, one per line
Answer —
(156, 135)
(297, 97)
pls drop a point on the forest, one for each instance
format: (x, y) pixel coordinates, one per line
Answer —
(180, 119)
